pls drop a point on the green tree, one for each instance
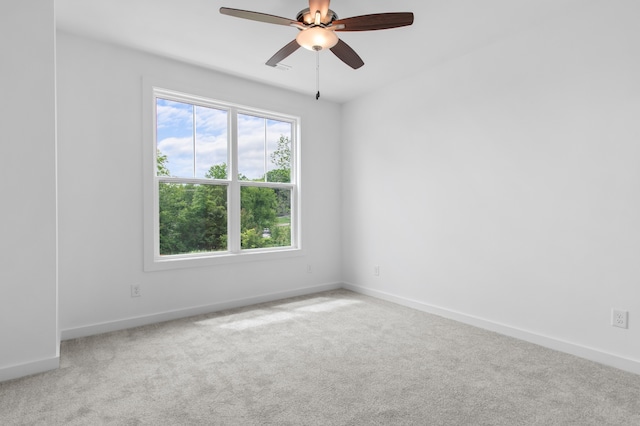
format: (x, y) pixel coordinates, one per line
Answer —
(281, 236)
(207, 219)
(192, 218)
(218, 171)
(173, 209)
(161, 163)
(251, 239)
(281, 158)
(258, 208)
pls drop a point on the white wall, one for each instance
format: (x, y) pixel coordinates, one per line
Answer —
(503, 188)
(28, 283)
(101, 193)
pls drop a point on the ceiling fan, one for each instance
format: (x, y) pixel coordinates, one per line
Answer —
(318, 26)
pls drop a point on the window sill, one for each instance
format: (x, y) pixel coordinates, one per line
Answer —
(208, 259)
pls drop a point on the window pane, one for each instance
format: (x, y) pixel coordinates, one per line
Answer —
(211, 143)
(265, 217)
(174, 133)
(251, 147)
(193, 218)
(264, 149)
(278, 151)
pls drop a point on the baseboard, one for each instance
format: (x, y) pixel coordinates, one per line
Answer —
(105, 327)
(29, 368)
(630, 365)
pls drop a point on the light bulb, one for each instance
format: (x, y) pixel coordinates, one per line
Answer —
(317, 38)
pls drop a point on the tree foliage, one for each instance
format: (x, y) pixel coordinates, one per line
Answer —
(281, 158)
(161, 162)
(193, 218)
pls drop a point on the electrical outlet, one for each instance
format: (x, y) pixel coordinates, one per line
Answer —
(619, 318)
(376, 270)
(136, 291)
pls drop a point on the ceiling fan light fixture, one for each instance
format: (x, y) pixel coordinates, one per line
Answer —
(317, 38)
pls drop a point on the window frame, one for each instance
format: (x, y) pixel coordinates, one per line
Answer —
(153, 261)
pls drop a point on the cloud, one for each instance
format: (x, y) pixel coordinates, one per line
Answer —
(209, 151)
(211, 121)
(179, 152)
(173, 119)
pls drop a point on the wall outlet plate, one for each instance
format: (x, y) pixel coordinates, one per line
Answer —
(136, 291)
(619, 318)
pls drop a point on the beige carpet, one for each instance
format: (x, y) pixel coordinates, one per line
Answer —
(335, 358)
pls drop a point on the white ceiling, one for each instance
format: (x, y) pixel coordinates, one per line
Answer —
(194, 31)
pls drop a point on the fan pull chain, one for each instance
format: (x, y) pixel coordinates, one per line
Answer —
(317, 74)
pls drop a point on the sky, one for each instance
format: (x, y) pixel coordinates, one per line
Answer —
(192, 150)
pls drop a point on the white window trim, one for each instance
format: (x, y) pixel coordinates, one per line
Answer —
(152, 259)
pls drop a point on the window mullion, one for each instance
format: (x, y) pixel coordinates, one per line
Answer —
(193, 142)
(234, 187)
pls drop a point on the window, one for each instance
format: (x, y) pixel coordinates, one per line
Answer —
(224, 180)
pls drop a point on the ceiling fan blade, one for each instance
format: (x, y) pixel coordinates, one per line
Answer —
(321, 5)
(347, 55)
(283, 53)
(257, 16)
(376, 21)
